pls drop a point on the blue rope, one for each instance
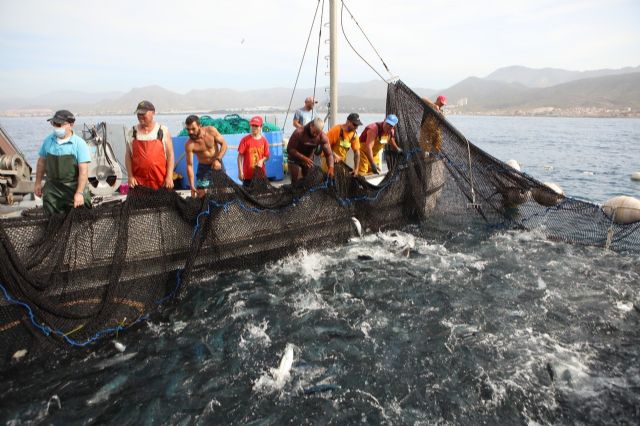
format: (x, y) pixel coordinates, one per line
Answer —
(173, 292)
(48, 331)
(225, 206)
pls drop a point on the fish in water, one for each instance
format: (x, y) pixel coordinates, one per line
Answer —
(54, 402)
(358, 226)
(325, 387)
(19, 355)
(277, 377)
(105, 391)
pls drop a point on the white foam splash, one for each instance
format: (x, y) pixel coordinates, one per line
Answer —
(256, 335)
(311, 265)
(238, 309)
(365, 327)
(541, 284)
(624, 306)
(276, 378)
(310, 301)
(178, 326)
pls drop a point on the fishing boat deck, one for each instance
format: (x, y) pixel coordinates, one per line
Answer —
(30, 202)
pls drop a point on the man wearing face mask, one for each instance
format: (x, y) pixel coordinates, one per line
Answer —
(64, 158)
(373, 138)
(209, 146)
(149, 156)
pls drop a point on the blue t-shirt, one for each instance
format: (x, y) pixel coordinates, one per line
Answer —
(75, 146)
(303, 116)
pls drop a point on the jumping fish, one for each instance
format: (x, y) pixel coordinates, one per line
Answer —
(282, 373)
(358, 226)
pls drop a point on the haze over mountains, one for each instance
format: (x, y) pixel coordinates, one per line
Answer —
(509, 90)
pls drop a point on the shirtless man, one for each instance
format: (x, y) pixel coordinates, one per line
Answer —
(302, 146)
(209, 146)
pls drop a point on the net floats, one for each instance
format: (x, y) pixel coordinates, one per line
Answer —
(622, 209)
(513, 197)
(635, 176)
(513, 164)
(548, 195)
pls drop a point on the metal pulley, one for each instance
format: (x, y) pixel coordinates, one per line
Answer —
(105, 173)
(14, 168)
(104, 179)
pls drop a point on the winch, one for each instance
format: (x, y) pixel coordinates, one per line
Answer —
(15, 172)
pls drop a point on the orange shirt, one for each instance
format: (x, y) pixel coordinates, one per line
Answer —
(341, 141)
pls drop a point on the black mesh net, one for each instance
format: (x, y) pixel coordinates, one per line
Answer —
(72, 280)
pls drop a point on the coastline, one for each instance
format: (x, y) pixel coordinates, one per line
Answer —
(587, 112)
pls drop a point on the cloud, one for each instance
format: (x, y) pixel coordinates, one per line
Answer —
(116, 45)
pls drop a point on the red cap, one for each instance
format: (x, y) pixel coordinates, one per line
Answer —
(256, 121)
(441, 99)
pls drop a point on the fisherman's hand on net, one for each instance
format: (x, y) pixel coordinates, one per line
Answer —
(132, 182)
(168, 182)
(374, 169)
(330, 172)
(216, 164)
(37, 190)
(78, 200)
(308, 162)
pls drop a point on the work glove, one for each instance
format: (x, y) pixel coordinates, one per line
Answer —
(374, 169)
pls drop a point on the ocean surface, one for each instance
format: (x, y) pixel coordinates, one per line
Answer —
(398, 327)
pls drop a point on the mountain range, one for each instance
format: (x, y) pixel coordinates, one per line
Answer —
(509, 90)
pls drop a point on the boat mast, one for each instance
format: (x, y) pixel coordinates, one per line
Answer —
(333, 62)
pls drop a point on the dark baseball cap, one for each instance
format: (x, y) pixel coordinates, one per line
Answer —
(61, 117)
(355, 119)
(145, 106)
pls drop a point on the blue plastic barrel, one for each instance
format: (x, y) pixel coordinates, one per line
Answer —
(230, 159)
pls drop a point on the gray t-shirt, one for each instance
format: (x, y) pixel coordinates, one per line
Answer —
(303, 116)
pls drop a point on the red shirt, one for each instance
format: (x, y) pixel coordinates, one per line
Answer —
(252, 151)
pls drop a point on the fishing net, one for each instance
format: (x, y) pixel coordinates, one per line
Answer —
(231, 124)
(72, 280)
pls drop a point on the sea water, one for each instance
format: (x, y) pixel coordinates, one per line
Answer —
(397, 327)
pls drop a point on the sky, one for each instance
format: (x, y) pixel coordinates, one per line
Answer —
(104, 46)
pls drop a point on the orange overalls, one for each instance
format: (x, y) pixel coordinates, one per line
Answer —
(149, 161)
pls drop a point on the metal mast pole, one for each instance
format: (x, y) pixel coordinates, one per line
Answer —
(333, 62)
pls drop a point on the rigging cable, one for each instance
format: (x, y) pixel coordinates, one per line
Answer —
(315, 78)
(300, 68)
(344, 6)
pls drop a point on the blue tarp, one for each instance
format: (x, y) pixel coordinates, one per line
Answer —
(230, 160)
